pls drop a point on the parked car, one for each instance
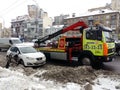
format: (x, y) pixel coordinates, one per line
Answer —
(117, 47)
(5, 43)
(26, 55)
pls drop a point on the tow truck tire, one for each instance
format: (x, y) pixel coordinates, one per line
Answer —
(88, 60)
(85, 60)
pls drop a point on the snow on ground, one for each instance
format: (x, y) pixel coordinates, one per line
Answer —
(13, 80)
(107, 83)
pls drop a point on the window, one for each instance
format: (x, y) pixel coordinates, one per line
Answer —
(113, 17)
(91, 35)
(14, 49)
(113, 22)
(94, 35)
(107, 17)
(41, 25)
(107, 22)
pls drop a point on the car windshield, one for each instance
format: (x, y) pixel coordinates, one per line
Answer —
(16, 41)
(27, 50)
(108, 36)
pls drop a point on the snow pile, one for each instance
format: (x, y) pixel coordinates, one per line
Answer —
(13, 80)
(107, 83)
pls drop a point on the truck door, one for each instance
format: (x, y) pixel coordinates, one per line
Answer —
(93, 41)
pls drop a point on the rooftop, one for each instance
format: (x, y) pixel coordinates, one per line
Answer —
(97, 12)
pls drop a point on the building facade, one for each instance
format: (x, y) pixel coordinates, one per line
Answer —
(115, 4)
(35, 12)
(59, 20)
(106, 17)
(31, 26)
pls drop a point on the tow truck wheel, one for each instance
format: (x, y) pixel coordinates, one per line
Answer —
(85, 60)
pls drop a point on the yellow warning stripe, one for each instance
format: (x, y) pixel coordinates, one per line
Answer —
(50, 49)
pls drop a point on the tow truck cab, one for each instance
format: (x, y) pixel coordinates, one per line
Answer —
(99, 41)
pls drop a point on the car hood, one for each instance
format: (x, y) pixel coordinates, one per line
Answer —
(34, 55)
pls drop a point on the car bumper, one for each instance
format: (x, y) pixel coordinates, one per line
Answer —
(36, 63)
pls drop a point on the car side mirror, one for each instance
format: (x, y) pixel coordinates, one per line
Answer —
(17, 52)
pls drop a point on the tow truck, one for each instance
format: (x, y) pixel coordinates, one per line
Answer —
(93, 47)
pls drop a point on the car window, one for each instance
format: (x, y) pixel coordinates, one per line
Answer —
(16, 41)
(14, 49)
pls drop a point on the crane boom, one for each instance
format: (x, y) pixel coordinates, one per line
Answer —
(79, 24)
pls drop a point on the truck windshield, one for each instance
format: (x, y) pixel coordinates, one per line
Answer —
(108, 36)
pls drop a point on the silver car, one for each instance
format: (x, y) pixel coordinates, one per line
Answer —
(26, 55)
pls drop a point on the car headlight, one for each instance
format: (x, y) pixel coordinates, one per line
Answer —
(29, 58)
(44, 58)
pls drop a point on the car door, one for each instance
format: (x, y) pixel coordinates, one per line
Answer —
(14, 52)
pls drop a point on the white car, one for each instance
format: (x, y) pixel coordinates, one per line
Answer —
(26, 55)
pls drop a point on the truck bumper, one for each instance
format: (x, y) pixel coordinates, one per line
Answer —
(107, 58)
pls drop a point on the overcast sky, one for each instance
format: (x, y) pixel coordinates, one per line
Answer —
(10, 9)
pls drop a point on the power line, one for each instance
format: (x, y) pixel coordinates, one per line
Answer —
(11, 7)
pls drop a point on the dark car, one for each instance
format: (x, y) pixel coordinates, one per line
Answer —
(117, 47)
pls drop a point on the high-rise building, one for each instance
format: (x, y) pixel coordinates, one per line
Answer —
(59, 20)
(115, 4)
(32, 11)
(36, 12)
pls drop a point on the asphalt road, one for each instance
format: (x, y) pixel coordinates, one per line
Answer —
(113, 66)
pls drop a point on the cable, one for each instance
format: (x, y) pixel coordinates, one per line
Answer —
(12, 8)
(9, 6)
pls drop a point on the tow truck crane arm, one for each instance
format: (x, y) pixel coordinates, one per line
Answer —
(79, 24)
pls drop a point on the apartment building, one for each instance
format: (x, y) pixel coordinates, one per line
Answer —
(59, 20)
(32, 25)
(115, 4)
(108, 18)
